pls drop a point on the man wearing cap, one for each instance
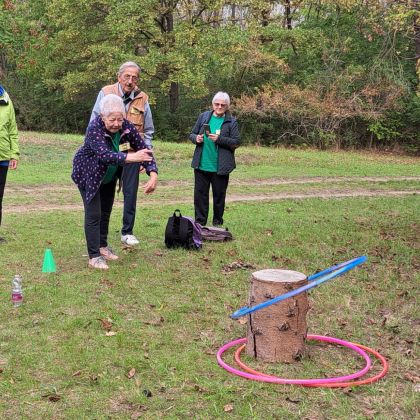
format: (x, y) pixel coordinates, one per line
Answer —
(9, 149)
(139, 113)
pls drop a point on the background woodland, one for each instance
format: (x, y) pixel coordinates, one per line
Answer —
(323, 73)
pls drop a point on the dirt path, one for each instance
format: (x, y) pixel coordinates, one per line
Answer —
(330, 194)
(34, 189)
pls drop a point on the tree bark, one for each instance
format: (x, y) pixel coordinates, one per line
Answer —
(288, 14)
(277, 333)
(173, 97)
(416, 6)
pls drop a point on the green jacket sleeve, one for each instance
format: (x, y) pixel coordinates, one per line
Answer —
(13, 134)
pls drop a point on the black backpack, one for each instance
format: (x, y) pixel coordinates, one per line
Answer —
(182, 232)
(212, 233)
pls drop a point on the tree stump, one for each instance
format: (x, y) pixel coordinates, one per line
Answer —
(277, 333)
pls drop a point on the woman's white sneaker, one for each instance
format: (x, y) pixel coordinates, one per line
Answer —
(129, 240)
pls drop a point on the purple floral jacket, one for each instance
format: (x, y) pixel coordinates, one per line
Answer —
(93, 157)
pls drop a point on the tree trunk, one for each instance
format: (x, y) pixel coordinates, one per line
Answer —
(288, 15)
(173, 97)
(277, 333)
(416, 7)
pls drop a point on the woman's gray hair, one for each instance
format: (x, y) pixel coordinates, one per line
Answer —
(222, 96)
(126, 65)
(111, 103)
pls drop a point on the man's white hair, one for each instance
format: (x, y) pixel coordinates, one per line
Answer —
(126, 65)
(222, 96)
(111, 103)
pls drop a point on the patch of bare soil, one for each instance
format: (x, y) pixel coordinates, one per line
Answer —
(327, 194)
(29, 189)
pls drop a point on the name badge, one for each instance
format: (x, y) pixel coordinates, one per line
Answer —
(125, 147)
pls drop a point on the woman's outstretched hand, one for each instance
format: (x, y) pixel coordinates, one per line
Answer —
(143, 155)
(150, 185)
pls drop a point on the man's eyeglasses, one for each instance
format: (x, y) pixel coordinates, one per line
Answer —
(216, 104)
(127, 77)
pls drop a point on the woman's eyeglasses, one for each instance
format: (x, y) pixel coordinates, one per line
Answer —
(216, 104)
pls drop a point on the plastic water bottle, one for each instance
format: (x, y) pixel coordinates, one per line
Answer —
(17, 293)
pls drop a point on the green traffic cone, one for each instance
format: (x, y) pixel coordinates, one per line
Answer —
(48, 266)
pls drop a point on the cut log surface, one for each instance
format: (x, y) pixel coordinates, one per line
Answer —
(277, 333)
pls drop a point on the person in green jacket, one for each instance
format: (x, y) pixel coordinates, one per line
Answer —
(9, 149)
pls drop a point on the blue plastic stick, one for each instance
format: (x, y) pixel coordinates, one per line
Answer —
(339, 269)
(333, 268)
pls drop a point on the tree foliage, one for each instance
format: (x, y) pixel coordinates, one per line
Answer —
(323, 72)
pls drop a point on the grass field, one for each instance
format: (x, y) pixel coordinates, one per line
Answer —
(168, 310)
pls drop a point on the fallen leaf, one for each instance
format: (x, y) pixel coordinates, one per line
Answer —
(106, 324)
(269, 232)
(228, 408)
(110, 333)
(292, 401)
(242, 320)
(131, 373)
(235, 265)
(53, 397)
(413, 378)
(158, 253)
(77, 373)
(199, 388)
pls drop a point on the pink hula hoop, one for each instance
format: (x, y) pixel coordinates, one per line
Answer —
(274, 379)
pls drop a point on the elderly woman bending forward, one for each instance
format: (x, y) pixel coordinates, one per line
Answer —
(111, 141)
(216, 136)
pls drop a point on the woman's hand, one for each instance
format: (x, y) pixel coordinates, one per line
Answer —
(12, 164)
(213, 137)
(143, 155)
(150, 185)
(199, 138)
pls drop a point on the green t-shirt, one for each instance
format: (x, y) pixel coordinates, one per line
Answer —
(208, 161)
(111, 171)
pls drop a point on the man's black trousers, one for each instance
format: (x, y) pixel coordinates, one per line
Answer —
(130, 186)
(219, 184)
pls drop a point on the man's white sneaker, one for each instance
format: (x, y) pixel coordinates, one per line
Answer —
(129, 240)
